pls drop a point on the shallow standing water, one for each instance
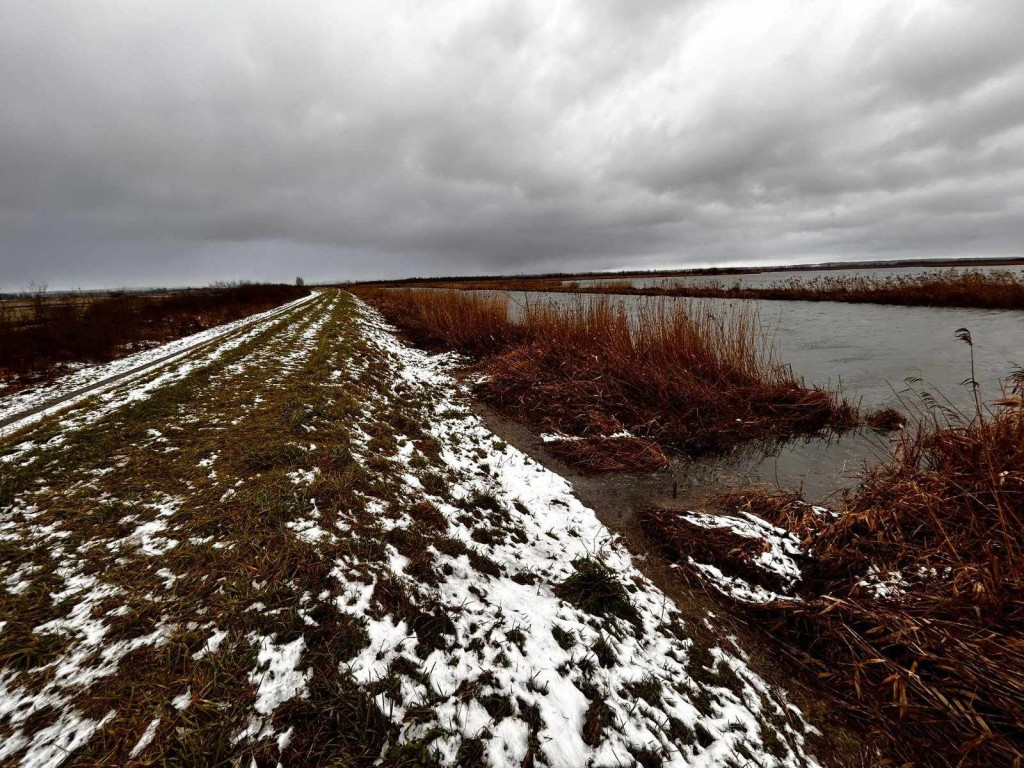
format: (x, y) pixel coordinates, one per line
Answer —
(868, 351)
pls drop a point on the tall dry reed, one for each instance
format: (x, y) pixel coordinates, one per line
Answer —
(912, 609)
(675, 375)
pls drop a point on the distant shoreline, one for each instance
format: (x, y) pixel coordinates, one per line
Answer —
(712, 271)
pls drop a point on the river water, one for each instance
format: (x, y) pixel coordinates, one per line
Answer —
(867, 351)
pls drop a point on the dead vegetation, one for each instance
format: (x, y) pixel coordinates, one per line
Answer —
(610, 454)
(664, 378)
(946, 515)
(944, 288)
(40, 333)
(911, 612)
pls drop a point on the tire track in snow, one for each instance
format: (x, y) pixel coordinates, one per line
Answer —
(13, 422)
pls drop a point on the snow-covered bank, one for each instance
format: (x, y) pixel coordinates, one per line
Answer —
(606, 689)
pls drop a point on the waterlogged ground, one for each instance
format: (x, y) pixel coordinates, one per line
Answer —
(301, 547)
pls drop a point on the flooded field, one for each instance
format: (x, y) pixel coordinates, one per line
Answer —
(877, 355)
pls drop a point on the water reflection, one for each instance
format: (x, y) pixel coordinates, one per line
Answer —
(820, 467)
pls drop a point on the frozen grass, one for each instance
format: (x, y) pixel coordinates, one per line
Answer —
(674, 377)
(309, 551)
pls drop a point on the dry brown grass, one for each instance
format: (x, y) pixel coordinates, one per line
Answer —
(610, 454)
(937, 665)
(678, 376)
(472, 324)
(944, 288)
(950, 508)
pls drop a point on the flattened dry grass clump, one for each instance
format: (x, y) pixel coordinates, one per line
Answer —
(913, 613)
(610, 454)
(667, 377)
(681, 540)
(22, 649)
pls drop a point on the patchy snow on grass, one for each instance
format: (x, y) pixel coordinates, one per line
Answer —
(735, 587)
(277, 677)
(449, 583)
(888, 584)
(146, 739)
(554, 437)
(781, 547)
(51, 745)
(527, 668)
(92, 623)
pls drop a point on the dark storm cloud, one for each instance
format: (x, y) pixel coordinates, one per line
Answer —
(187, 141)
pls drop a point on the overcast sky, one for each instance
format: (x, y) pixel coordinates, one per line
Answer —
(181, 141)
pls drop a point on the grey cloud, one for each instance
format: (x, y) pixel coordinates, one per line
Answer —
(192, 141)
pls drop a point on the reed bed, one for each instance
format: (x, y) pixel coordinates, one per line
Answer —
(998, 289)
(40, 333)
(676, 377)
(947, 656)
(912, 609)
